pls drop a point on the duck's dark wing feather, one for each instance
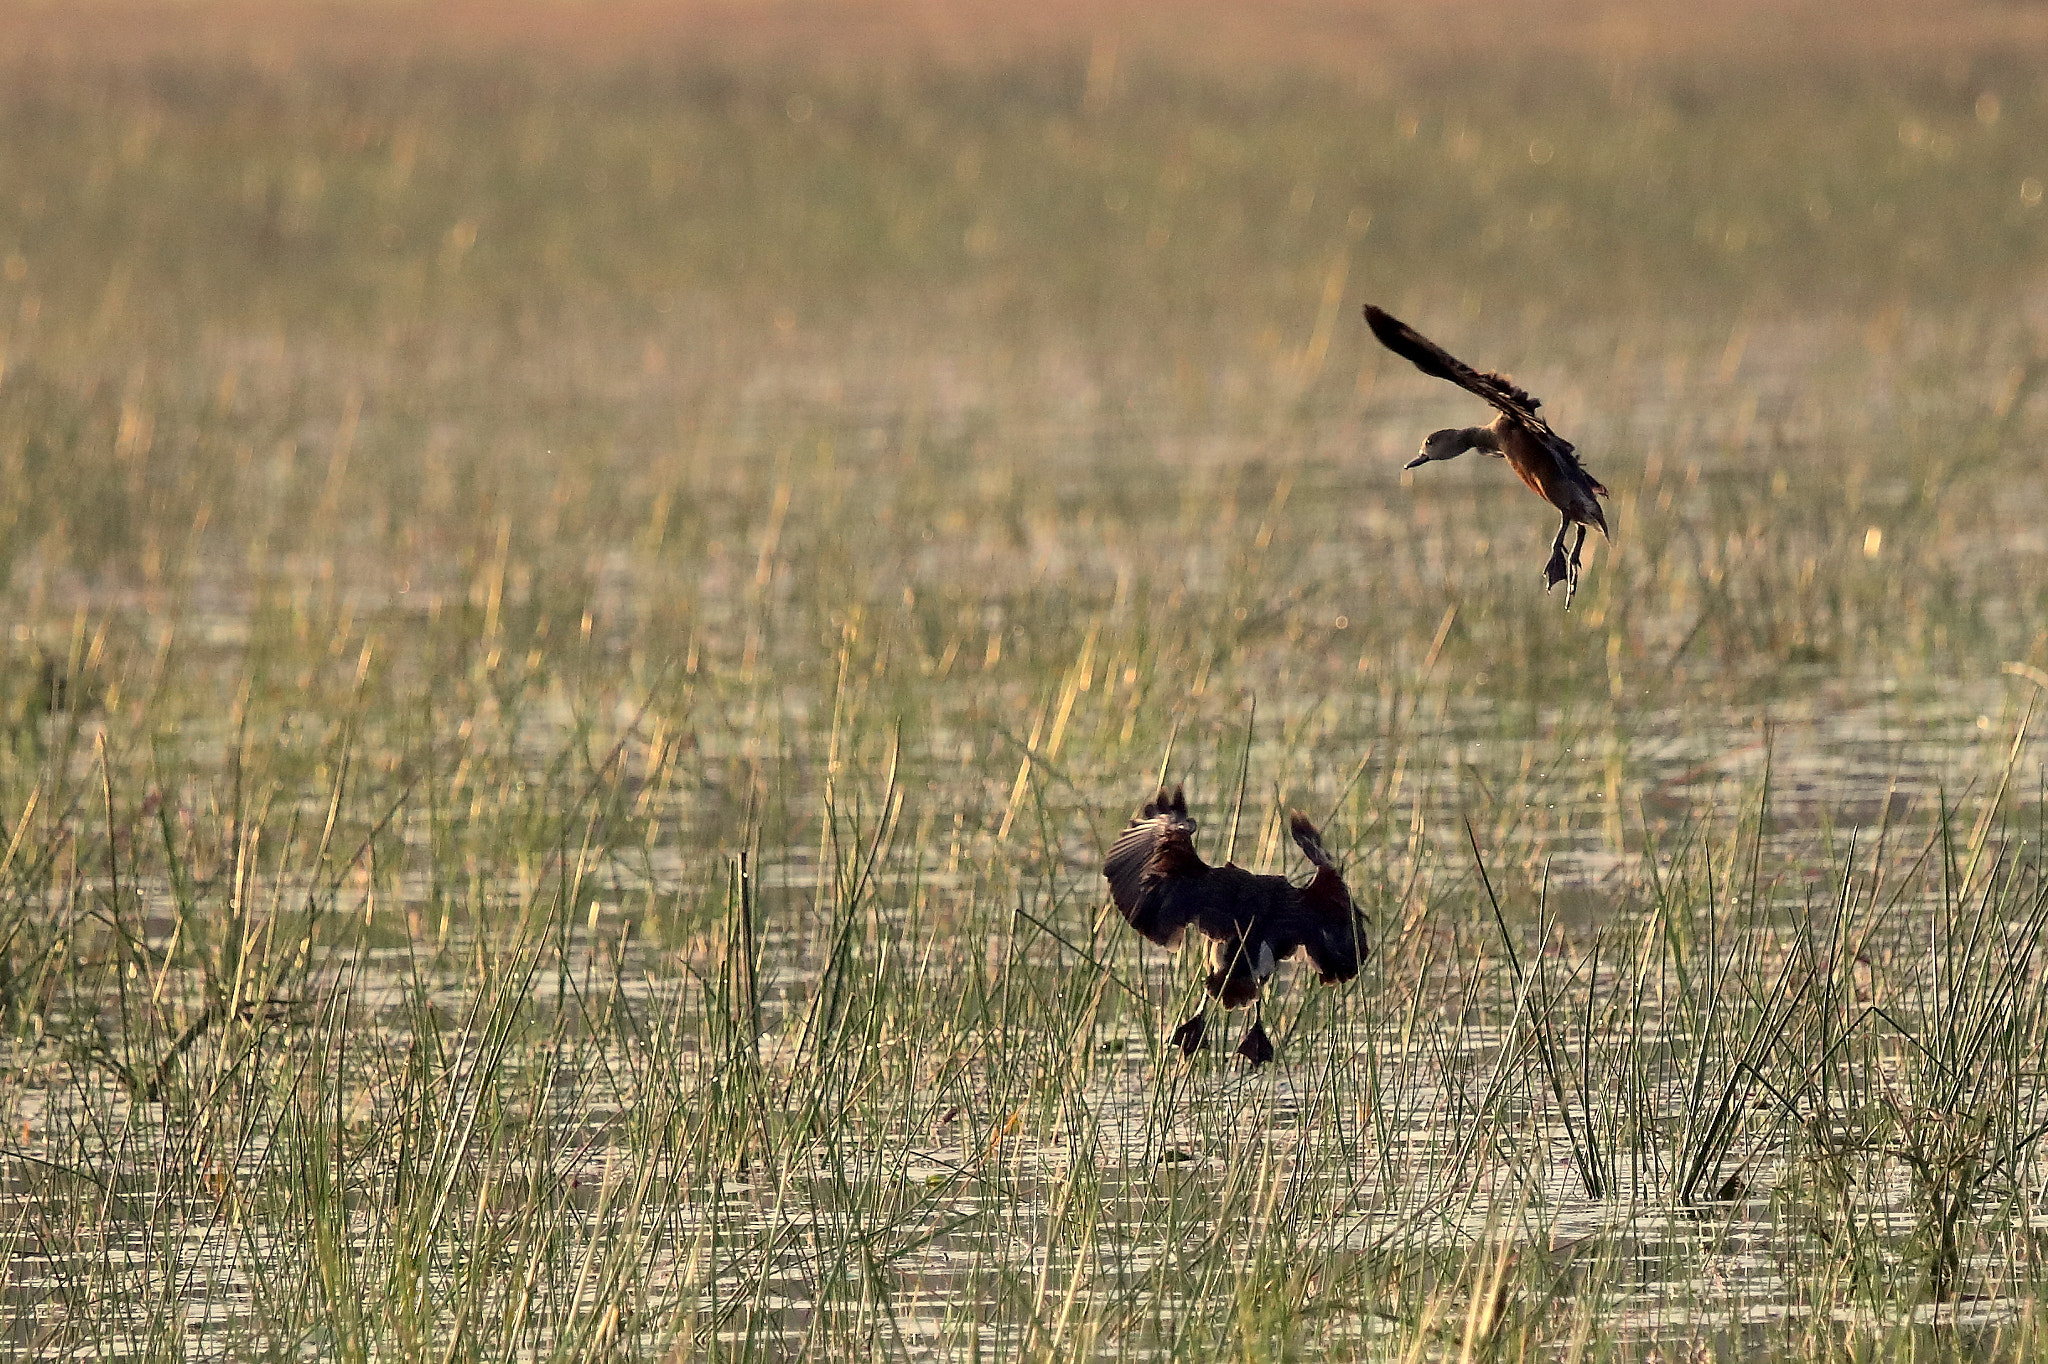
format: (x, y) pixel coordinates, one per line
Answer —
(1432, 359)
(1497, 389)
(1153, 870)
(1324, 926)
(1321, 921)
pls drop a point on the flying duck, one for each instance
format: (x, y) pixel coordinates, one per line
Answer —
(1542, 458)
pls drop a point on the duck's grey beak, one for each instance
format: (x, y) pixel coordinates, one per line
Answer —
(1417, 462)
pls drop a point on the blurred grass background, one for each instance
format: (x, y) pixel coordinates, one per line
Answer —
(371, 309)
(445, 355)
(499, 389)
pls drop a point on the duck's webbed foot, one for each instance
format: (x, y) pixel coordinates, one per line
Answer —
(1255, 1046)
(1192, 1035)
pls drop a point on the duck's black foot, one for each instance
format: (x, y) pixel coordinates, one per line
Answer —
(1192, 1035)
(1558, 570)
(1255, 1046)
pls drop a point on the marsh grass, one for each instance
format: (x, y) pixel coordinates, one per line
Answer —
(577, 643)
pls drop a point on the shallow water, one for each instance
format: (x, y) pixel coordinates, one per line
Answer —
(1406, 1143)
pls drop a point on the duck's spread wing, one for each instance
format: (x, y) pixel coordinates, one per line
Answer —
(1323, 922)
(1432, 359)
(1497, 389)
(1329, 928)
(1154, 872)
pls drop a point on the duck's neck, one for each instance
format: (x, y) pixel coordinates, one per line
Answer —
(1479, 438)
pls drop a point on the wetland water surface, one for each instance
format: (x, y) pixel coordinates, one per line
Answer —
(1692, 1085)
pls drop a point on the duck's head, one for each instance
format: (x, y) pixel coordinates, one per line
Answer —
(1446, 444)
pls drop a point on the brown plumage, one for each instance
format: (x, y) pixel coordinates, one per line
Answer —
(1544, 460)
(1163, 888)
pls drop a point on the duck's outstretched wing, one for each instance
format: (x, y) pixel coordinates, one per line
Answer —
(1497, 389)
(1322, 920)
(1154, 871)
(1432, 359)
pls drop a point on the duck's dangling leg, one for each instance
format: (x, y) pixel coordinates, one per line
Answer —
(1192, 1035)
(1558, 569)
(1255, 1046)
(1572, 584)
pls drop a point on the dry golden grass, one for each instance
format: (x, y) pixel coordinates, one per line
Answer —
(1355, 36)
